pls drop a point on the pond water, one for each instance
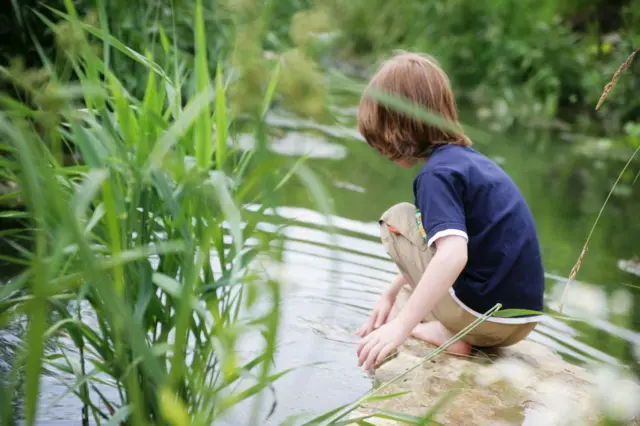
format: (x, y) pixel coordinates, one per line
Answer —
(333, 280)
(333, 284)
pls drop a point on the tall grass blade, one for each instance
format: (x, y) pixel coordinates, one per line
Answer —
(203, 129)
(221, 120)
(576, 267)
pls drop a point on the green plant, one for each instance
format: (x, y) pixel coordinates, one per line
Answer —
(141, 254)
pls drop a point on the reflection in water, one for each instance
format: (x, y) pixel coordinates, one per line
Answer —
(297, 144)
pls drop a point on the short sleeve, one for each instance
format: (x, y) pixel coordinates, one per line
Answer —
(439, 197)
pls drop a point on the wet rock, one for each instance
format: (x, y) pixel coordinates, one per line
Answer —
(525, 384)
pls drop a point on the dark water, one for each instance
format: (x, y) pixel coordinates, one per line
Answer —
(333, 280)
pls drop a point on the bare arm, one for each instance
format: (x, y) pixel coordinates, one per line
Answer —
(396, 285)
(440, 274)
(381, 312)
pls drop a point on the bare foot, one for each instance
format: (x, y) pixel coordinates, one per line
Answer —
(434, 332)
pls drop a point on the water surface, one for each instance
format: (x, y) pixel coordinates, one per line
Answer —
(333, 280)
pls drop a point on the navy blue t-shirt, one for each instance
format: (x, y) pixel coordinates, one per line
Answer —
(459, 191)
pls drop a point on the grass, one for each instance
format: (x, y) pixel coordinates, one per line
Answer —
(120, 277)
(607, 89)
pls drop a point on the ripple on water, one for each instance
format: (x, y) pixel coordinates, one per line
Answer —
(335, 281)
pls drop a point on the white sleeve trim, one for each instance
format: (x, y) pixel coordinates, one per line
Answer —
(446, 233)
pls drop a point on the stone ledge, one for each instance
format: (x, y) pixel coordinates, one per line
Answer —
(525, 384)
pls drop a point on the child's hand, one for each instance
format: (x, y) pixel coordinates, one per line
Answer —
(379, 344)
(379, 315)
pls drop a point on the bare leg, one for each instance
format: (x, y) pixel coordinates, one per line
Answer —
(435, 333)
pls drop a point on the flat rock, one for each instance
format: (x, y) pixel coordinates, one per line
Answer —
(525, 384)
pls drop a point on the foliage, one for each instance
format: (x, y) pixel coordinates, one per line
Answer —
(118, 276)
(527, 61)
(143, 26)
(523, 59)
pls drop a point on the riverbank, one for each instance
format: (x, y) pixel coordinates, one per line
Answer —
(525, 384)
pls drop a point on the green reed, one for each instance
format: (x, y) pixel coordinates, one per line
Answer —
(121, 267)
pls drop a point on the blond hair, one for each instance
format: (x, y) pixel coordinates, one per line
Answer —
(419, 79)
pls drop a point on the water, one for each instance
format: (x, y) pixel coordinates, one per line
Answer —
(332, 281)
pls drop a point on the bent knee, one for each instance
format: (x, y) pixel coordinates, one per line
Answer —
(398, 213)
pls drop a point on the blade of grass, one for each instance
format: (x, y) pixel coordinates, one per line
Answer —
(204, 138)
(576, 267)
(221, 120)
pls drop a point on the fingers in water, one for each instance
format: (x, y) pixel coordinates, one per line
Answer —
(366, 350)
(373, 355)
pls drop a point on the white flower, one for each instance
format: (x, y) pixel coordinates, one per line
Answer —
(488, 376)
(542, 417)
(621, 301)
(483, 113)
(584, 300)
(559, 405)
(518, 373)
(515, 372)
(618, 395)
(556, 396)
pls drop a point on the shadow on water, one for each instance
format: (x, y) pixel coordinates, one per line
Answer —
(332, 281)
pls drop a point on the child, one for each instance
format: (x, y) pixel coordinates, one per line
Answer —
(470, 244)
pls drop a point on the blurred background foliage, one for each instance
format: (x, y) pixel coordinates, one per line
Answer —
(537, 63)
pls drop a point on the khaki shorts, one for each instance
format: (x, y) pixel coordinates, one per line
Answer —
(410, 253)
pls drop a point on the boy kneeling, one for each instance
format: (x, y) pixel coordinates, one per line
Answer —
(469, 242)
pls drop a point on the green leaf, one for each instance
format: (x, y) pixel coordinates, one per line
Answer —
(376, 398)
(13, 214)
(220, 184)
(189, 116)
(221, 121)
(271, 89)
(326, 416)
(204, 138)
(120, 416)
(508, 313)
(124, 112)
(355, 420)
(13, 286)
(86, 192)
(174, 288)
(398, 417)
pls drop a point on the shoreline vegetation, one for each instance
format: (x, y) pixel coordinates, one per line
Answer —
(141, 264)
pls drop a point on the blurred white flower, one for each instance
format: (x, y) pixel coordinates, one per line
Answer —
(517, 373)
(487, 376)
(584, 300)
(618, 395)
(483, 113)
(542, 416)
(621, 301)
(556, 396)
